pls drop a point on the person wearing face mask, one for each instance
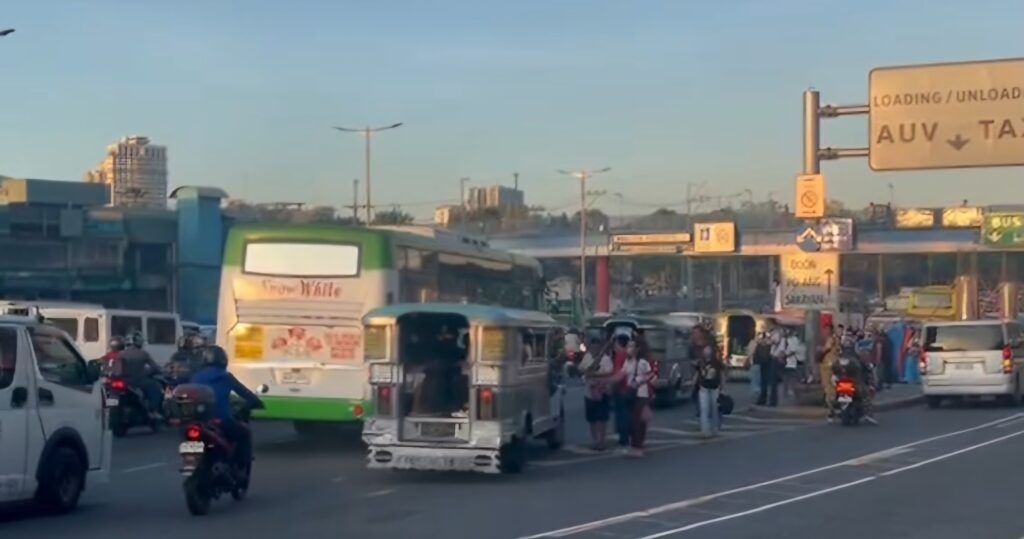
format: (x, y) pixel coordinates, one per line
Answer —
(618, 354)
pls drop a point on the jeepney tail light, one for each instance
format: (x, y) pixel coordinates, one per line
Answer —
(1007, 360)
(384, 404)
(485, 403)
(193, 433)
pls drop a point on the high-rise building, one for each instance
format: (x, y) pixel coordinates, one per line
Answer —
(505, 199)
(136, 172)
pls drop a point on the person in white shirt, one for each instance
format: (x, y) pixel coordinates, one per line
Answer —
(794, 355)
(639, 374)
(596, 368)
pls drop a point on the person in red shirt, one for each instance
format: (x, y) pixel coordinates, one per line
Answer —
(619, 391)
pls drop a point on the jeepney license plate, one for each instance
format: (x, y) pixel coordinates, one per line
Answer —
(294, 377)
(965, 366)
(428, 462)
(845, 400)
(437, 430)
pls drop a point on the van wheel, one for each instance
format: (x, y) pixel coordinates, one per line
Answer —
(63, 481)
(934, 402)
(512, 457)
(556, 436)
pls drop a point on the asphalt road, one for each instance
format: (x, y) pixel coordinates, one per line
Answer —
(922, 473)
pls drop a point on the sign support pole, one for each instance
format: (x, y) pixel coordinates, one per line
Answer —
(812, 165)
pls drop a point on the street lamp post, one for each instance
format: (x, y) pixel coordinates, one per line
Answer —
(583, 176)
(367, 133)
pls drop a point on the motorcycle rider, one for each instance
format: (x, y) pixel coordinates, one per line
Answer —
(851, 365)
(139, 370)
(187, 360)
(214, 374)
(109, 361)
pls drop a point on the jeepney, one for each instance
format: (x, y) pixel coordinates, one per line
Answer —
(461, 387)
(668, 343)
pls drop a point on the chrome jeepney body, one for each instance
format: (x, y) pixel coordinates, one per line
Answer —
(515, 391)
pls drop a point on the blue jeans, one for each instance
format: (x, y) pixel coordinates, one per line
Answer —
(911, 369)
(710, 419)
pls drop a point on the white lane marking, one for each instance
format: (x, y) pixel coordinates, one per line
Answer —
(379, 493)
(881, 455)
(338, 479)
(1010, 423)
(144, 467)
(952, 454)
(587, 526)
(766, 507)
(676, 432)
(757, 509)
(769, 421)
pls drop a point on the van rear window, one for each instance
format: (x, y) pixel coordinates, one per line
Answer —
(971, 338)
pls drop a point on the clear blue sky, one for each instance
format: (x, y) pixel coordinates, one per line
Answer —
(243, 92)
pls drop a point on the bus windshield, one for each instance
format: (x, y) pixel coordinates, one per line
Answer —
(301, 259)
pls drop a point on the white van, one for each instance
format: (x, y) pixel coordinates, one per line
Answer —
(972, 358)
(92, 326)
(54, 438)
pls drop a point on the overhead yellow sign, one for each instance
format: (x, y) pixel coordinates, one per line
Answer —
(915, 218)
(810, 196)
(714, 237)
(962, 217)
(634, 239)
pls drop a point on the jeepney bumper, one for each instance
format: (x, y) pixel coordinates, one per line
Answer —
(458, 459)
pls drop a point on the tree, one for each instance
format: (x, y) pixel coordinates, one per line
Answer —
(596, 220)
(393, 216)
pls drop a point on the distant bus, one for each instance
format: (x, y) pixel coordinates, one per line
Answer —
(292, 298)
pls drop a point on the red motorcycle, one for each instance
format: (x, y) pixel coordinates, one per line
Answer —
(849, 403)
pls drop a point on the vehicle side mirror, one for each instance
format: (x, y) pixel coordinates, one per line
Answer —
(93, 371)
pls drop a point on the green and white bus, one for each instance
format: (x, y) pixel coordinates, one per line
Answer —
(292, 298)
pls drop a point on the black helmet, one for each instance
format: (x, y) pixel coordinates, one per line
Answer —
(136, 340)
(197, 341)
(116, 344)
(215, 356)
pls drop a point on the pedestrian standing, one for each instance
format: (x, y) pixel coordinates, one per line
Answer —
(912, 363)
(596, 370)
(639, 376)
(753, 367)
(700, 339)
(771, 366)
(794, 350)
(710, 379)
(827, 354)
(617, 354)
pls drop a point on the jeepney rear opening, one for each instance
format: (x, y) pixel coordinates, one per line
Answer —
(434, 356)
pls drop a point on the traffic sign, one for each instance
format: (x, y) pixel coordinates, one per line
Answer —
(635, 239)
(915, 218)
(946, 115)
(714, 237)
(832, 234)
(810, 281)
(1003, 230)
(962, 217)
(810, 196)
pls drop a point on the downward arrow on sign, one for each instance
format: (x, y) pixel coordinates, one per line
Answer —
(958, 142)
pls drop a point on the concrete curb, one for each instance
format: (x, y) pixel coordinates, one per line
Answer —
(817, 412)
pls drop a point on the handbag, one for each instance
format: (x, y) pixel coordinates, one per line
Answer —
(725, 404)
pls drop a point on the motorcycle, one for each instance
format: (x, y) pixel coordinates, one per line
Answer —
(127, 406)
(849, 404)
(209, 461)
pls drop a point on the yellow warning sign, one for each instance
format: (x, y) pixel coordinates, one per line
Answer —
(810, 196)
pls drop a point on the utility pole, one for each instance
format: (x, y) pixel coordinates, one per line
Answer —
(583, 176)
(367, 133)
(515, 181)
(355, 201)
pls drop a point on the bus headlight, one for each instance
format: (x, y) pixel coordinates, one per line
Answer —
(382, 374)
